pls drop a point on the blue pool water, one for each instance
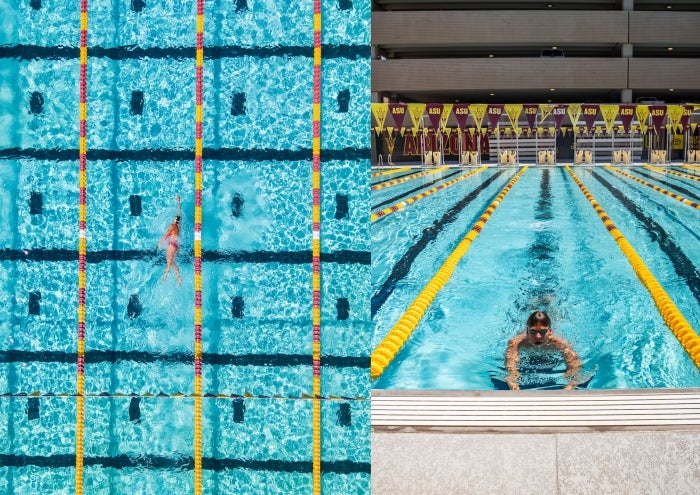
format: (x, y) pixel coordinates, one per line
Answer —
(544, 248)
(257, 376)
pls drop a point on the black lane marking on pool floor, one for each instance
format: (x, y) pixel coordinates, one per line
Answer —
(131, 52)
(113, 357)
(284, 257)
(403, 266)
(680, 189)
(172, 155)
(682, 265)
(123, 461)
(378, 181)
(415, 189)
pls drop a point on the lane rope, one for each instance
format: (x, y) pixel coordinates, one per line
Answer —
(673, 195)
(673, 172)
(392, 343)
(674, 319)
(316, 252)
(82, 252)
(199, 64)
(389, 172)
(395, 182)
(399, 206)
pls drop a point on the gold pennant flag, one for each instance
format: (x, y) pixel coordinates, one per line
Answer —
(507, 131)
(390, 130)
(379, 110)
(598, 130)
(545, 110)
(446, 111)
(574, 111)
(478, 110)
(563, 130)
(642, 117)
(471, 132)
(415, 111)
(552, 131)
(519, 131)
(675, 112)
(609, 113)
(693, 126)
(513, 112)
(540, 131)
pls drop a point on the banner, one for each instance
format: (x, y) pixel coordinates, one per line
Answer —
(558, 115)
(513, 112)
(398, 113)
(379, 110)
(545, 110)
(574, 111)
(626, 116)
(687, 111)
(461, 112)
(642, 116)
(590, 112)
(658, 115)
(531, 114)
(494, 113)
(609, 113)
(478, 111)
(675, 112)
(446, 111)
(415, 111)
(434, 113)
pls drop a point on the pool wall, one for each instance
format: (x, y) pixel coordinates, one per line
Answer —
(253, 375)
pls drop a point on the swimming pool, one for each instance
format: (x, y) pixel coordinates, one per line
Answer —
(250, 377)
(543, 248)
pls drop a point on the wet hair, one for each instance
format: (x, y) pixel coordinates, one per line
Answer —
(177, 218)
(539, 317)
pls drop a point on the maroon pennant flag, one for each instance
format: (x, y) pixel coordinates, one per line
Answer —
(398, 112)
(530, 110)
(589, 112)
(687, 110)
(494, 112)
(461, 111)
(434, 113)
(626, 116)
(558, 115)
(658, 114)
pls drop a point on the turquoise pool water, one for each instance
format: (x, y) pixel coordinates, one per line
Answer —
(257, 375)
(544, 248)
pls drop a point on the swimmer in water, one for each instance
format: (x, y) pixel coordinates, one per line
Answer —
(172, 237)
(539, 334)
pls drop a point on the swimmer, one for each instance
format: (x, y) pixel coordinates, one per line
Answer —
(539, 334)
(172, 237)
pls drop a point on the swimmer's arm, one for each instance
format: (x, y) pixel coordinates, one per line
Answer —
(512, 360)
(165, 236)
(573, 362)
(177, 197)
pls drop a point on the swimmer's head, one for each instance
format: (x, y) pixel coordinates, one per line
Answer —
(539, 328)
(177, 218)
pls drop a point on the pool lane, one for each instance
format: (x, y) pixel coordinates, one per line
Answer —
(401, 193)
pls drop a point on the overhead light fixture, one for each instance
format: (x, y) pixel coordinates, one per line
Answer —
(554, 48)
(671, 89)
(670, 48)
(490, 55)
(494, 94)
(551, 89)
(549, 5)
(669, 6)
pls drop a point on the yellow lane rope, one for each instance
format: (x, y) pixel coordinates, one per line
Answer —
(674, 319)
(390, 346)
(673, 172)
(316, 253)
(407, 178)
(82, 252)
(390, 172)
(199, 67)
(398, 206)
(673, 195)
(692, 167)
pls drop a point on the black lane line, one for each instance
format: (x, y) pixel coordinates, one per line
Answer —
(680, 189)
(403, 266)
(171, 155)
(384, 179)
(285, 257)
(682, 265)
(154, 462)
(113, 357)
(415, 189)
(130, 52)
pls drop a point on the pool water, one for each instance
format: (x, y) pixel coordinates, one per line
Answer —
(544, 248)
(140, 414)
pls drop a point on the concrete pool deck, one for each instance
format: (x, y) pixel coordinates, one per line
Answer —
(502, 442)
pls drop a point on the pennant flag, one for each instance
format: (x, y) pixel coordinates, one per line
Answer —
(675, 112)
(446, 111)
(379, 110)
(558, 115)
(461, 112)
(590, 112)
(642, 116)
(531, 114)
(658, 114)
(513, 112)
(687, 112)
(545, 110)
(478, 111)
(415, 111)
(494, 112)
(609, 113)
(574, 111)
(398, 113)
(626, 116)
(434, 113)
